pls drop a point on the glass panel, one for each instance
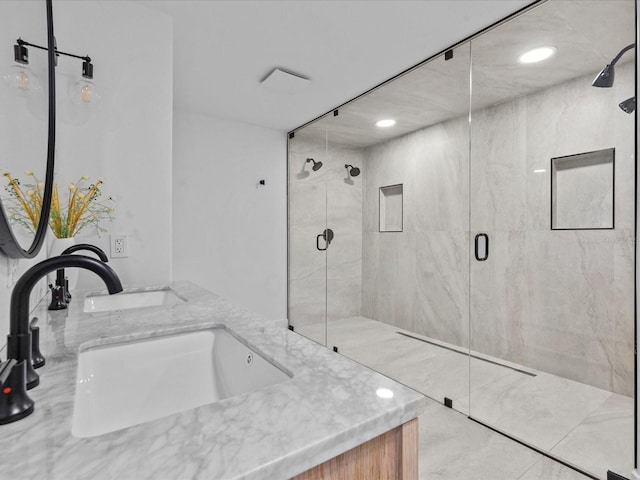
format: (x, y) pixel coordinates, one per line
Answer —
(308, 235)
(552, 310)
(397, 301)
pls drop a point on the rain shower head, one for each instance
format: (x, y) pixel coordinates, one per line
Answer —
(629, 105)
(607, 75)
(353, 171)
(316, 165)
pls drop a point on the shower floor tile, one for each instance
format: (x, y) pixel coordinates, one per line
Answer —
(454, 448)
(605, 437)
(540, 410)
(584, 425)
(547, 469)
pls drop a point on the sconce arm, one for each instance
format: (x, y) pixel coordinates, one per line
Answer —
(86, 58)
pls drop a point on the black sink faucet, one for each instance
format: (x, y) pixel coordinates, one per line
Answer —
(19, 338)
(87, 246)
(61, 295)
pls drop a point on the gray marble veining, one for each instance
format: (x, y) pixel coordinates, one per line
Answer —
(328, 407)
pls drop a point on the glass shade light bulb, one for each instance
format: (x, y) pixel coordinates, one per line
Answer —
(21, 79)
(84, 92)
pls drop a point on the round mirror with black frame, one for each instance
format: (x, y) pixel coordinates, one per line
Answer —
(27, 125)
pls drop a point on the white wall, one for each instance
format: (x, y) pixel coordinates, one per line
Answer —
(126, 140)
(229, 235)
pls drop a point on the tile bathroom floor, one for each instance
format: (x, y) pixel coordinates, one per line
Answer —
(583, 425)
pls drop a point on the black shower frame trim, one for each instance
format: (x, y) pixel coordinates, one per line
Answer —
(613, 186)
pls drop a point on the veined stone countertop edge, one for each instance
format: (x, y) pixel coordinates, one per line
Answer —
(328, 407)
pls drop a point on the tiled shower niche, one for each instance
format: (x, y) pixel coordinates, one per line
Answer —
(391, 208)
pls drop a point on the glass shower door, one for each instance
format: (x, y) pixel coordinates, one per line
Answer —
(309, 236)
(551, 275)
(344, 218)
(397, 270)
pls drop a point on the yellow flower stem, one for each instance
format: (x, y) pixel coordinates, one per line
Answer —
(84, 204)
(20, 196)
(56, 217)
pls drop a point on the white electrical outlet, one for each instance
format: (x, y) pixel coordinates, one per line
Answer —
(119, 247)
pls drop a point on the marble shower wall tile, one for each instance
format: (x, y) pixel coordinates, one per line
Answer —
(344, 275)
(571, 324)
(442, 286)
(432, 286)
(394, 291)
(625, 161)
(499, 301)
(390, 163)
(623, 344)
(442, 177)
(307, 278)
(344, 217)
(307, 189)
(497, 165)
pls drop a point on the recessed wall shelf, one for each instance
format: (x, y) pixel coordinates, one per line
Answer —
(582, 191)
(391, 208)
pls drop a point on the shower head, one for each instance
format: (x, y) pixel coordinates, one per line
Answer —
(629, 105)
(353, 171)
(605, 78)
(316, 165)
(607, 75)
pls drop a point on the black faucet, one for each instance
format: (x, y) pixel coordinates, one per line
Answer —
(19, 340)
(60, 295)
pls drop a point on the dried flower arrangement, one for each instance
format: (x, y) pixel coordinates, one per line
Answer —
(83, 207)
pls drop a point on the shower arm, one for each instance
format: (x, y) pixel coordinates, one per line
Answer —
(622, 52)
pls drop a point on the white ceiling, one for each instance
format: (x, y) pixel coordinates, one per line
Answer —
(222, 49)
(440, 89)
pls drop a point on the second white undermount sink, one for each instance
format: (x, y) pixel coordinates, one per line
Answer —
(125, 384)
(127, 300)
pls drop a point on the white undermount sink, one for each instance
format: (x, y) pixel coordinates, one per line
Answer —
(127, 300)
(124, 384)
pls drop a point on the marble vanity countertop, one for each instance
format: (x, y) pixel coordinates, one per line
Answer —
(328, 407)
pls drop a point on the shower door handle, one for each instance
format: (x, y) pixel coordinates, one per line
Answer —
(327, 235)
(485, 254)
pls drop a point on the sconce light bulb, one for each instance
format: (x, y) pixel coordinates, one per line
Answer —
(21, 79)
(84, 92)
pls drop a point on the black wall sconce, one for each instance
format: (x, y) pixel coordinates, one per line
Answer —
(21, 77)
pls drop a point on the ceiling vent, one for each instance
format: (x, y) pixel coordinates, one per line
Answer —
(281, 81)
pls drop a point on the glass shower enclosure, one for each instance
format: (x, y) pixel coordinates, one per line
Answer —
(483, 251)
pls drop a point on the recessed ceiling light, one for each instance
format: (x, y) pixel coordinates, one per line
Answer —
(537, 55)
(540, 170)
(385, 123)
